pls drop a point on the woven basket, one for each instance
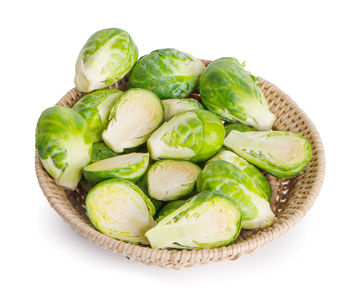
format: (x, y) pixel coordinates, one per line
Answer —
(291, 198)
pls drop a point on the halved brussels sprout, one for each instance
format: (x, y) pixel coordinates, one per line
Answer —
(63, 141)
(119, 209)
(227, 90)
(127, 166)
(101, 151)
(281, 154)
(95, 108)
(224, 176)
(167, 72)
(106, 57)
(194, 135)
(208, 220)
(238, 127)
(169, 208)
(252, 173)
(142, 183)
(171, 180)
(173, 107)
(135, 115)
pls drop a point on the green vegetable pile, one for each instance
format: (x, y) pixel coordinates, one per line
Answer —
(160, 168)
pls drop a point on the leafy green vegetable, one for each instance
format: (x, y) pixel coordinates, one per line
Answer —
(227, 90)
(106, 57)
(100, 151)
(135, 115)
(127, 166)
(63, 141)
(119, 209)
(229, 178)
(171, 180)
(210, 219)
(238, 127)
(169, 208)
(167, 72)
(193, 135)
(253, 174)
(281, 154)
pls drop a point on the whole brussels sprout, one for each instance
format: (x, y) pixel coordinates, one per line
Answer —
(252, 173)
(135, 115)
(281, 154)
(169, 208)
(127, 166)
(229, 178)
(194, 135)
(171, 180)
(63, 141)
(227, 90)
(173, 107)
(210, 219)
(106, 57)
(238, 127)
(100, 151)
(167, 72)
(119, 209)
(95, 108)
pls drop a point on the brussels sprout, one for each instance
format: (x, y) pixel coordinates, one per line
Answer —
(227, 90)
(229, 178)
(100, 151)
(167, 72)
(238, 127)
(281, 154)
(208, 220)
(135, 115)
(106, 57)
(252, 173)
(194, 135)
(63, 141)
(169, 208)
(128, 166)
(171, 180)
(173, 107)
(95, 108)
(119, 209)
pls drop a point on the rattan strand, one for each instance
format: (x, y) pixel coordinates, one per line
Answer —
(291, 198)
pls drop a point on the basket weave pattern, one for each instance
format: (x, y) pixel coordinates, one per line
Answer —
(291, 198)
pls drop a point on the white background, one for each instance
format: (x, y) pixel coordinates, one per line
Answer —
(301, 46)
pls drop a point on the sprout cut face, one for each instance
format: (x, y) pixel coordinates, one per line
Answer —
(253, 174)
(174, 107)
(106, 57)
(229, 91)
(95, 108)
(194, 135)
(167, 72)
(208, 220)
(135, 115)
(119, 209)
(281, 154)
(63, 141)
(128, 166)
(171, 180)
(229, 178)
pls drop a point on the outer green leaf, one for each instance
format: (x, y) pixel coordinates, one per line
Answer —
(106, 57)
(100, 151)
(281, 154)
(238, 127)
(194, 135)
(167, 72)
(95, 108)
(169, 208)
(63, 141)
(224, 176)
(227, 90)
(253, 174)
